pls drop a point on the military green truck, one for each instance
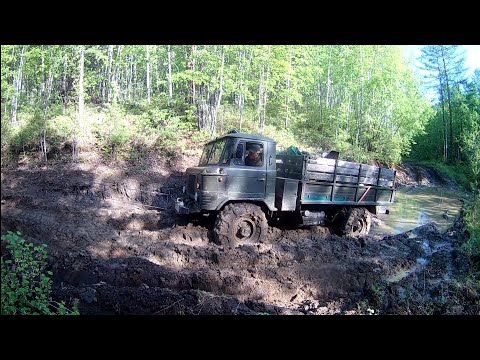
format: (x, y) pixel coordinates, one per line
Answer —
(243, 182)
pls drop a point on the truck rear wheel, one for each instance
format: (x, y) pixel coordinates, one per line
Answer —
(240, 223)
(355, 222)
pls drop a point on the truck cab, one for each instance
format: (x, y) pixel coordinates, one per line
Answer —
(234, 167)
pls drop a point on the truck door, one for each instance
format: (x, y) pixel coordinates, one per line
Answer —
(247, 173)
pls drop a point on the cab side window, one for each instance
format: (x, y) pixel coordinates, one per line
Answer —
(254, 155)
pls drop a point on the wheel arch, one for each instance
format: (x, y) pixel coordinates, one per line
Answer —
(263, 205)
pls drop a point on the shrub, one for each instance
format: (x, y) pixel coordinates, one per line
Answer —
(26, 286)
(472, 219)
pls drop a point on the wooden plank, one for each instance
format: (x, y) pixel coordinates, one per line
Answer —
(344, 179)
(321, 161)
(347, 170)
(347, 179)
(388, 183)
(319, 176)
(321, 168)
(348, 164)
(369, 168)
(387, 174)
(368, 180)
(369, 173)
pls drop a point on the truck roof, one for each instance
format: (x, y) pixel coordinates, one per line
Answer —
(245, 136)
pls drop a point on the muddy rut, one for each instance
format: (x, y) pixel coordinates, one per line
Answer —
(115, 244)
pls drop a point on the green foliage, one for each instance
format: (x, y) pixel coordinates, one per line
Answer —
(25, 136)
(62, 128)
(26, 285)
(466, 127)
(113, 131)
(201, 137)
(283, 137)
(361, 100)
(471, 149)
(472, 220)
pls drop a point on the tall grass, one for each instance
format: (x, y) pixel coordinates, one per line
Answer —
(472, 220)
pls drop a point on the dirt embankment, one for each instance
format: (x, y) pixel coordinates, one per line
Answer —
(114, 244)
(409, 174)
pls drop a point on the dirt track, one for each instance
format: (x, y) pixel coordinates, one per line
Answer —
(116, 254)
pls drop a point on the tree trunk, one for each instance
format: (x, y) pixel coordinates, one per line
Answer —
(260, 96)
(81, 98)
(129, 78)
(115, 76)
(46, 103)
(156, 65)
(208, 101)
(18, 87)
(361, 110)
(329, 80)
(449, 103)
(134, 90)
(289, 80)
(444, 123)
(192, 68)
(170, 84)
(148, 75)
(81, 103)
(445, 127)
(265, 100)
(220, 94)
(109, 73)
(241, 96)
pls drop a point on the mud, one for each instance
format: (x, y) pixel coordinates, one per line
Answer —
(115, 244)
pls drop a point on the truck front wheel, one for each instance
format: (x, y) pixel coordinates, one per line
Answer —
(240, 223)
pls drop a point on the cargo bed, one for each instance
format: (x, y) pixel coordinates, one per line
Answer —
(318, 180)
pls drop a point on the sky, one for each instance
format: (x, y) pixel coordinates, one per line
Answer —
(472, 53)
(472, 62)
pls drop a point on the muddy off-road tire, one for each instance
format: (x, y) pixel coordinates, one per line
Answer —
(355, 222)
(240, 223)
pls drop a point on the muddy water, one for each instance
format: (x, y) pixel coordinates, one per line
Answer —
(418, 206)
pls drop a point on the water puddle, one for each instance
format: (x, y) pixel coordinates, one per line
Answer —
(419, 265)
(414, 207)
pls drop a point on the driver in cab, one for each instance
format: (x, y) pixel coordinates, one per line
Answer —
(254, 157)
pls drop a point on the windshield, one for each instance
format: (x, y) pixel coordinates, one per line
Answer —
(213, 153)
(206, 153)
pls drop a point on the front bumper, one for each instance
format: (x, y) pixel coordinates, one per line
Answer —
(184, 208)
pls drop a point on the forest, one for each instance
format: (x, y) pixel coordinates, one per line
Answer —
(126, 103)
(365, 101)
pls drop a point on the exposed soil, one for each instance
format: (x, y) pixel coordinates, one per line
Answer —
(409, 174)
(115, 244)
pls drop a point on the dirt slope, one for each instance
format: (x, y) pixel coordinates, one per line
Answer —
(409, 174)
